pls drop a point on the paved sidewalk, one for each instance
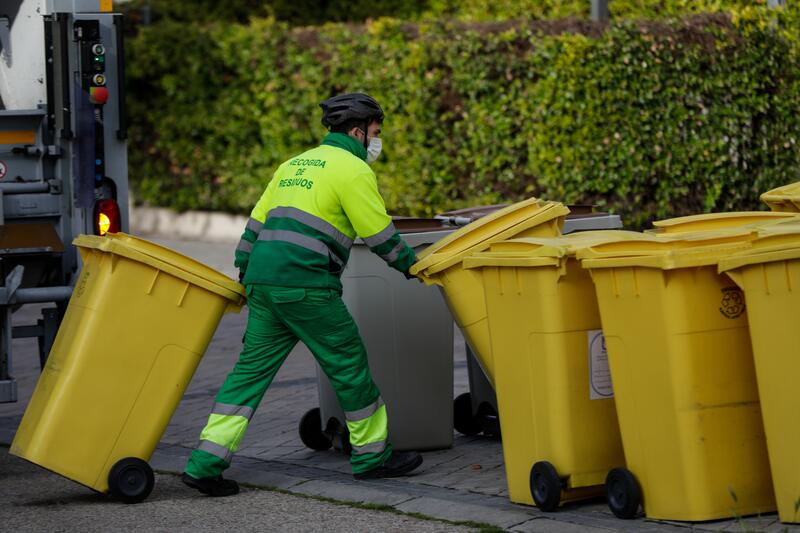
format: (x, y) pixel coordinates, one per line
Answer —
(466, 482)
(35, 500)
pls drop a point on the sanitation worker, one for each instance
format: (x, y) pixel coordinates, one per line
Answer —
(291, 256)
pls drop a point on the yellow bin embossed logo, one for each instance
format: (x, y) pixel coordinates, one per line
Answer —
(732, 305)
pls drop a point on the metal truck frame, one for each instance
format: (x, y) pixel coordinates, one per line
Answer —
(63, 155)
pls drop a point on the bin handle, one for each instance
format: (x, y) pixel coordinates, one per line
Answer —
(234, 307)
(428, 280)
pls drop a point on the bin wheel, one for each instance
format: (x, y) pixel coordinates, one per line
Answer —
(489, 420)
(344, 441)
(311, 431)
(545, 486)
(339, 435)
(623, 493)
(463, 419)
(130, 480)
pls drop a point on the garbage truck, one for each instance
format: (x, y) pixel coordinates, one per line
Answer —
(63, 155)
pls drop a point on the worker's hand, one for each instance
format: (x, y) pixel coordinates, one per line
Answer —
(412, 276)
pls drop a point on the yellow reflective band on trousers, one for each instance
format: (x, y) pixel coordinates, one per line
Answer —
(370, 434)
(226, 431)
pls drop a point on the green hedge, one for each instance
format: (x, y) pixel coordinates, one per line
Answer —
(481, 10)
(312, 12)
(647, 119)
(297, 12)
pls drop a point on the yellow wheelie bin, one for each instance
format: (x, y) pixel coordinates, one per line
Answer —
(554, 394)
(769, 275)
(714, 221)
(786, 198)
(139, 320)
(679, 352)
(441, 264)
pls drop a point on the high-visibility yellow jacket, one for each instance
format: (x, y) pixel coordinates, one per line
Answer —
(301, 230)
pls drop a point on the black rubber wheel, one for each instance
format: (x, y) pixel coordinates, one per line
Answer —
(311, 431)
(463, 419)
(545, 486)
(344, 436)
(489, 420)
(130, 480)
(623, 493)
(339, 435)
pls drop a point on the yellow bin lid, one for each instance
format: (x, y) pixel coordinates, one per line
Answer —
(478, 235)
(714, 221)
(167, 260)
(535, 251)
(670, 251)
(777, 242)
(785, 198)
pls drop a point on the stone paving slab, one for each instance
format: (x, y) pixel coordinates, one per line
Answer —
(466, 482)
(361, 493)
(456, 510)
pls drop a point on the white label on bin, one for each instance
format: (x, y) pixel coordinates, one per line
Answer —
(599, 374)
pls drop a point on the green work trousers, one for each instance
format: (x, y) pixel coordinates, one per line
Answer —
(279, 317)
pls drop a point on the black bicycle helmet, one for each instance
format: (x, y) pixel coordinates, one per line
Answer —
(352, 106)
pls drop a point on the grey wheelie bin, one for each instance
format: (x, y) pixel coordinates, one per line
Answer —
(408, 332)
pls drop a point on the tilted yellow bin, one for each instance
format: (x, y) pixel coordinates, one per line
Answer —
(679, 352)
(554, 394)
(786, 198)
(769, 274)
(139, 320)
(715, 221)
(441, 264)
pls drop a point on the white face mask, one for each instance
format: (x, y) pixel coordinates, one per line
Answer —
(374, 149)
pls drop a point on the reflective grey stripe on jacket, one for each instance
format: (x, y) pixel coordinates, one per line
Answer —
(381, 237)
(364, 412)
(312, 221)
(304, 241)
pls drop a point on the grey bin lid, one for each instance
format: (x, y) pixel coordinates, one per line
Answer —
(418, 225)
(461, 217)
(418, 232)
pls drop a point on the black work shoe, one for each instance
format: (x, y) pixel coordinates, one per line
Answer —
(213, 486)
(398, 464)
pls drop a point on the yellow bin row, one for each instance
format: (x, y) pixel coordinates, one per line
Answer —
(676, 344)
(138, 323)
(679, 350)
(554, 394)
(442, 264)
(769, 274)
(715, 221)
(786, 198)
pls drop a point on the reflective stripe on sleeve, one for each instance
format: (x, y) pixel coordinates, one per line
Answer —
(254, 225)
(394, 253)
(381, 237)
(245, 246)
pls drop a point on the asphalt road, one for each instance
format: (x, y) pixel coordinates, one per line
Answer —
(33, 499)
